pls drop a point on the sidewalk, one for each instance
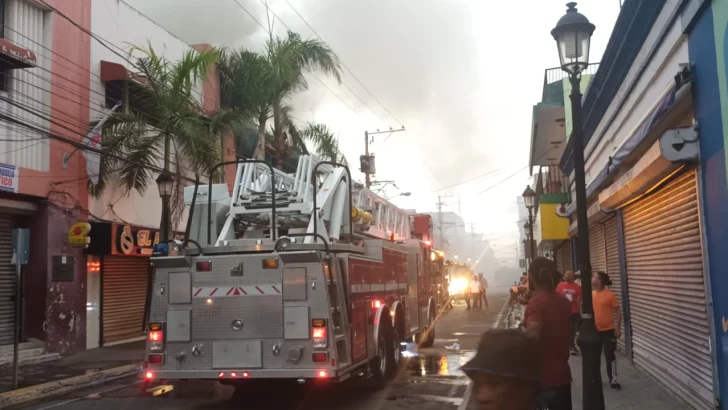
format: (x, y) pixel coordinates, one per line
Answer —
(639, 392)
(83, 369)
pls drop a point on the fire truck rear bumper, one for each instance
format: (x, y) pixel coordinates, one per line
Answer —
(242, 374)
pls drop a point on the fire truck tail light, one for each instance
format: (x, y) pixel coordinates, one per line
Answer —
(320, 357)
(319, 334)
(156, 340)
(246, 375)
(322, 374)
(149, 375)
(156, 358)
(233, 375)
(220, 375)
(376, 304)
(204, 266)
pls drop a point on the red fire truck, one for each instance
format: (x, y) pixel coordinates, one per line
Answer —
(294, 276)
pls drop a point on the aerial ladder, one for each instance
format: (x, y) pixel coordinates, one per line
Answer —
(314, 200)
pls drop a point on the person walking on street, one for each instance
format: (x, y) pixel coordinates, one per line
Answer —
(572, 291)
(547, 320)
(608, 319)
(504, 371)
(475, 291)
(483, 291)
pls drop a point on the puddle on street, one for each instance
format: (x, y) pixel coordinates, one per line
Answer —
(446, 364)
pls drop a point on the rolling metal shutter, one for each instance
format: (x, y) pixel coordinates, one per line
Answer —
(669, 319)
(597, 248)
(124, 295)
(566, 256)
(562, 257)
(612, 246)
(7, 281)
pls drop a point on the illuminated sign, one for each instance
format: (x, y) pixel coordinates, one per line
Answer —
(133, 241)
(78, 234)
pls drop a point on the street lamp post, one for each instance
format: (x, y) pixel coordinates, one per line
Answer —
(529, 197)
(165, 183)
(573, 35)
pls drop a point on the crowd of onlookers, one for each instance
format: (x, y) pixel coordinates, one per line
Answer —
(528, 367)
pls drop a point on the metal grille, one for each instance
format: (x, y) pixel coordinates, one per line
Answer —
(7, 281)
(612, 247)
(669, 320)
(124, 295)
(597, 248)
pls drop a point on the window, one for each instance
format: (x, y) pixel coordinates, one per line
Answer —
(115, 92)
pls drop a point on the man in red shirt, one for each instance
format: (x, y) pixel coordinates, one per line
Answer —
(547, 319)
(572, 291)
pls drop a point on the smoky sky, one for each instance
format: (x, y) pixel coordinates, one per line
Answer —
(461, 75)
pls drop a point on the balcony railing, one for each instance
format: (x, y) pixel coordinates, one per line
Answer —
(553, 75)
(550, 181)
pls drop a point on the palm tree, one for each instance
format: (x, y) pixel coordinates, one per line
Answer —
(166, 123)
(325, 143)
(264, 83)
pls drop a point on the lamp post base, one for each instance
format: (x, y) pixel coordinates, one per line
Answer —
(591, 351)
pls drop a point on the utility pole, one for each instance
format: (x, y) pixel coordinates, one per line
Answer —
(440, 222)
(472, 239)
(368, 167)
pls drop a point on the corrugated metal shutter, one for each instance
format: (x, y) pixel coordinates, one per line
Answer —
(612, 246)
(669, 320)
(124, 291)
(597, 248)
(566, 256)
(559, 259)
(7, 281)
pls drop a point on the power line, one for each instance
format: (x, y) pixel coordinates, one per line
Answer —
(346, 67)
(312, 74)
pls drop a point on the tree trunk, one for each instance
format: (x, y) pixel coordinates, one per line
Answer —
(259, 152)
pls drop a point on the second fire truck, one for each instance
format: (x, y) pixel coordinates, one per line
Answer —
(295, 276)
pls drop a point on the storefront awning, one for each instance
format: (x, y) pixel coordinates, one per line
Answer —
(677, 100)
(548, 136)
(13, 56)
(111, 71)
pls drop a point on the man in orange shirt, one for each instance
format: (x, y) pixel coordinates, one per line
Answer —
(606, 310)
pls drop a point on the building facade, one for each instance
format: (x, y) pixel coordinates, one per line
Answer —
(44, 91)
(657, 192)
(62, 65)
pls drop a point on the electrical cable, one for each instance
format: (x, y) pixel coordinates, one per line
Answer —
(347, 68)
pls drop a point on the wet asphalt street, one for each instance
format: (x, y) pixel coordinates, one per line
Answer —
(429, 381)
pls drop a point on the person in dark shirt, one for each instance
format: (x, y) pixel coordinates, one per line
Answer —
(505, 371)
(548, 320)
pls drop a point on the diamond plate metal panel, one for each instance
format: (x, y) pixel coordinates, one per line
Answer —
(262, 318)
(240, 354)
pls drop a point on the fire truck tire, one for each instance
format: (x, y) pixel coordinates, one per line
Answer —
(382, 364)
(429, 333)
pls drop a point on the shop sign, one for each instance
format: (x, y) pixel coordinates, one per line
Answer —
(8, 178)
(134, 241)
(78, 235)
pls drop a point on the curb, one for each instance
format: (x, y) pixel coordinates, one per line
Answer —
(58, 387)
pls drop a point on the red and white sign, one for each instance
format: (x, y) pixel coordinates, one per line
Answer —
(236, 291)
(8, 178)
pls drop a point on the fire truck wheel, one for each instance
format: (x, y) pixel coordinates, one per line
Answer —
(396, 358)
(380, 365)
(429, 333)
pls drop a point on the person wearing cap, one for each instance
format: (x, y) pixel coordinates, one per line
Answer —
(548, 321)
(505, 371)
